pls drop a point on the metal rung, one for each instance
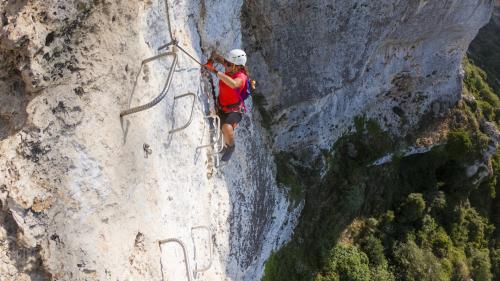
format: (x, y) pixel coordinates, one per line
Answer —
(163, 93)
(218, 150)
(221, 145)
(186, 260)
(216, 130)
(218, 144)
(196, 270)
(190, 116)
(173, 42)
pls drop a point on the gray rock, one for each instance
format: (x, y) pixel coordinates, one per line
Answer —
(79, 201)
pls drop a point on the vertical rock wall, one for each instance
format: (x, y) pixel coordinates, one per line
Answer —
(321, 63)
(80, 199)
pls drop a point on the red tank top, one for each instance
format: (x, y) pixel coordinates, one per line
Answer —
(230, 99)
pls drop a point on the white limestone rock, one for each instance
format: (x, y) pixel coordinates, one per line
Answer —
(80, 200)
(78, 195)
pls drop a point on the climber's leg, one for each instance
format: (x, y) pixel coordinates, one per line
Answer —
(228, 132)
(229, 123)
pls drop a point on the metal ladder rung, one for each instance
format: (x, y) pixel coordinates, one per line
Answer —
(219, 138)
(196, 270)
(215, 130)
(163, 92)
(190, 116)
(186, 260)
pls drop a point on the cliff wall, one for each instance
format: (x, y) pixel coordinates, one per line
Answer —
(81, 199)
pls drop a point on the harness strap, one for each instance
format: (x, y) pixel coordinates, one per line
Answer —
(231, 105)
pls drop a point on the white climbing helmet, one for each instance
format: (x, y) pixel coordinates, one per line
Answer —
(237, 56)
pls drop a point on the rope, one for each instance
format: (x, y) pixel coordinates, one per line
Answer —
(188, 54)
(163, 93)
(168, 20)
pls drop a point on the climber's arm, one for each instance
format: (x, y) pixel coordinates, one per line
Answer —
(235, 83)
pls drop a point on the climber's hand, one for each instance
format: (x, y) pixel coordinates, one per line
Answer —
(210, 66)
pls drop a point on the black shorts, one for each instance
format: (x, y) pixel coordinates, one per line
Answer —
(230, 117)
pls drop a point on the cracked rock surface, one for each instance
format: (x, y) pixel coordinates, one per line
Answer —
(80, 198)
(324, 62)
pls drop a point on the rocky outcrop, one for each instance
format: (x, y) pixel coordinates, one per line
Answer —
(80, 197)
(323, 63)
(485, 49)
(81, 200)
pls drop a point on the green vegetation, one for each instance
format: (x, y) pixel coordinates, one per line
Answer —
(487, 100)
(485, 51)
(346, 263)
(287, 176)
(417, 218)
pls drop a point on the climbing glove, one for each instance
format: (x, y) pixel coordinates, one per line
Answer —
(210, 66)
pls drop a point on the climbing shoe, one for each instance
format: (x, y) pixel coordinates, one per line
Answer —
(227, 152)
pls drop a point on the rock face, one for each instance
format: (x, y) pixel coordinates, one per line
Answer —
(485, 49)
(323, 62)
(80, 197)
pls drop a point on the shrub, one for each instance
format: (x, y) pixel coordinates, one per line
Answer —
(415, 264)
(460, 270)
(438, 205)
(373, 248)
(424, 235)
(478, 228)
(346, 263)
(480, 264)
(441, 243)
(386, 222)
(488, 110)
(475, 82)
(459, 144)
(381, 273)
(287, 176)
(495, 263)
(412, 209)
(471, 228)
(487, 94)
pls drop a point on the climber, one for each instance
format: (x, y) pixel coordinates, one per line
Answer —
(232, 84)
